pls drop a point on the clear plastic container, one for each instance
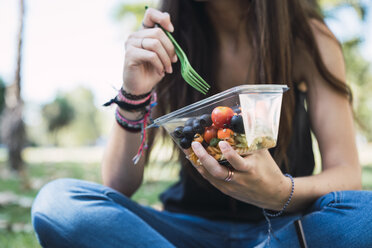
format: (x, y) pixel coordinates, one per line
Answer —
(246, 116)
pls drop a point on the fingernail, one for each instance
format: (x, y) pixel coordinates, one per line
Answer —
(196, 146)
(175, 58)
(223, 145)
(170, 70)
(170, 27)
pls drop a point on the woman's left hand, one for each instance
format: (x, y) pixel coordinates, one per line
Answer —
(257, 179)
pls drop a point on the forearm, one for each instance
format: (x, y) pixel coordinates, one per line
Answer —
(310, 188)
(118, 169)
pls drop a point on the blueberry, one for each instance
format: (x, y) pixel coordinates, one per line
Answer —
(189, 122)
(236, 124)
(185, 143)
(188, 132)
(178, 132)
(205, 120)
(197, 127)
(237, 110)
(205, 144)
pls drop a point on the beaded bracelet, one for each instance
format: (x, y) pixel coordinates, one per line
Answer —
(267, 215)
(286, 204)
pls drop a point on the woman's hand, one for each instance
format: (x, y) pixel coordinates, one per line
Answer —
(149, 54)
(257, 179)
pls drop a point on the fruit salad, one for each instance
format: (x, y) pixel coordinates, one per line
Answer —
(223, 123)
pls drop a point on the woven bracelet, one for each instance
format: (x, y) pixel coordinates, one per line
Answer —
(138, 125)
(286, 204)
(134, 97)
(133, 126)
(128, 106)
(131, 102)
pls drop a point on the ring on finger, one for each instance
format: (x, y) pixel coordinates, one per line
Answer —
(142, 43)
(145, 26)
(230, 174)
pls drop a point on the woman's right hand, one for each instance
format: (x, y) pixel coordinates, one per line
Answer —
(149, 54)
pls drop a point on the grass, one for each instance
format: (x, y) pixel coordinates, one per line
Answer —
(367, 177)
(16, 215)
(18, 240)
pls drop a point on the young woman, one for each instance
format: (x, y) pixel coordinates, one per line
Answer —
(229, 43)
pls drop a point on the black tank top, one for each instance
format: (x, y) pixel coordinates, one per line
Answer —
(194, 195)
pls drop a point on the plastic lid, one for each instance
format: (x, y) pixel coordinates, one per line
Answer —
(242, 89)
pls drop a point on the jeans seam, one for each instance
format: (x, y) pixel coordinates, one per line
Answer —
(337, 199)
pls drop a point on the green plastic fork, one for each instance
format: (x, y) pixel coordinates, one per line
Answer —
(188, 73)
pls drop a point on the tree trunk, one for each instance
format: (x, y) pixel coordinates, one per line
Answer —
(12, 126)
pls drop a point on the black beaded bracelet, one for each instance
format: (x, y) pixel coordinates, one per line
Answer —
(134, 97)
(286, 204)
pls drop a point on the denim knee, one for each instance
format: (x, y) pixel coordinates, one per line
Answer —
(326, 200)
(358, 200)
(53, 213)
(48, 200)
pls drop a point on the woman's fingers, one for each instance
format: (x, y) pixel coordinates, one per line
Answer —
(209, 163)
(139, 56)
(153, 45)
(233, 157)
(156, 46)
(154, 16)
(158, 33)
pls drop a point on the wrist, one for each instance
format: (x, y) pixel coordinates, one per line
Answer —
(136, 92)
(131, 115)
(284, 194)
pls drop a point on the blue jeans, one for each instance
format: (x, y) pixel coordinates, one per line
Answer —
(73, 213)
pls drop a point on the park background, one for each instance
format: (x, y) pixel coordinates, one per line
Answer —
(70, 61)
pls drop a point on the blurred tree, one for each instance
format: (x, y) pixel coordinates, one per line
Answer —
(358, 69)
(58, 114)
(84, 129)
(329, 6)
(12, 126)
(2, 95)
(133, 9)
(72, 118)
(360, 77)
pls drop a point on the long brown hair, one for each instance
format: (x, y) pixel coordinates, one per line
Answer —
(275, 27)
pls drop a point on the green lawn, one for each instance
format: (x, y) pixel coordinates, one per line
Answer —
(15, 227)
(15, 224)
(367, 177)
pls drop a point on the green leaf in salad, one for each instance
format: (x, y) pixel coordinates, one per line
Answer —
(214, 142)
